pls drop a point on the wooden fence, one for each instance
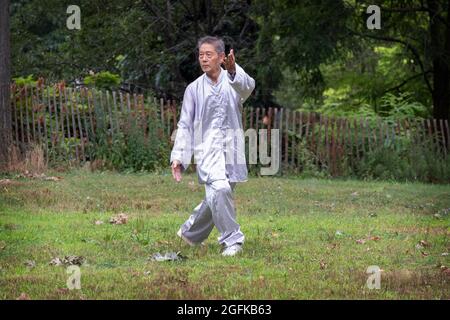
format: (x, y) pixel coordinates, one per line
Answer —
(66, 121)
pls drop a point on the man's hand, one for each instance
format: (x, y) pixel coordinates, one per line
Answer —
(176, 170)
(230, 62)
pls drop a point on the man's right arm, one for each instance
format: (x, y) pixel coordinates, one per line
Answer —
(183, 146)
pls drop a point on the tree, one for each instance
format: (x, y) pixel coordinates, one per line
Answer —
(152, 44)
(440, 51)
(422, 28)
(5, 75)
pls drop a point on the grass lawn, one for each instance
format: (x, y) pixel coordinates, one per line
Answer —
(305, 239)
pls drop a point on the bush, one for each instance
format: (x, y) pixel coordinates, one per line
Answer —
(407, 161)
(131, 149)
(307, 159)
(28, 81)
(104, 80)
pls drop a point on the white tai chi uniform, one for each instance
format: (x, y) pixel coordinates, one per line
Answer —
(210, 126)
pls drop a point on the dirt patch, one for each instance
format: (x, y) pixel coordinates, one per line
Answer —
(436, 231)
(418, 284)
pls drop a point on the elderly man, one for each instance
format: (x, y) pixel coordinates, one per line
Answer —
(211, 109)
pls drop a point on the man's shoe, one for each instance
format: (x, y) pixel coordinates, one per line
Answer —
(189, 242)
(232, 250)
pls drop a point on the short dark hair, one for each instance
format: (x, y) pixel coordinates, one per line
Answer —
(218, 43)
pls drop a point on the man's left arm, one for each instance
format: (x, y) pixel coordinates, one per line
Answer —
(241, 82)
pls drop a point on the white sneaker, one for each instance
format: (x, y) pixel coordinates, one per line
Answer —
(189, 242)
(232, 250)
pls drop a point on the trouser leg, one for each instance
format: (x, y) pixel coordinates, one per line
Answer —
(217, 208)
(200, 223)
(219, 197)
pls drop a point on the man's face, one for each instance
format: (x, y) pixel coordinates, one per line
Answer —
(209, 59)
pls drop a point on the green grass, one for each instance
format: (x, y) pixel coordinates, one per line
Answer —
(301, 239)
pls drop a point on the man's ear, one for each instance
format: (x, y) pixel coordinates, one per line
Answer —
(222, 57)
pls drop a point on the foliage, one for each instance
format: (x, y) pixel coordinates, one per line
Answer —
(401, 106)
(410, 160)
(25, 81)
(104, 80)
(296, 50)
(132, 149)
(307, 162)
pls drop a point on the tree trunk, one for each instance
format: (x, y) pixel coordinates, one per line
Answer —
(440, 48)
(5, 91)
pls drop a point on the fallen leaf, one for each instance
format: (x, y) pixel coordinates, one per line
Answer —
(56, 262)
(121, 218)
(169, 256)
(30, 263)
(445, 271)
(62, 290)
(42, 176)
(323, 265)
(424, 243)
(74, 260)
(98, 222)
(368, 238)
(333, 246)
(425, 253)
(68, 260)
(23, 296)
(135, 273)
(5, 181)
(52, 178)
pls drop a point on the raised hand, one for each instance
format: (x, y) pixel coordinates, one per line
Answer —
(229, 62)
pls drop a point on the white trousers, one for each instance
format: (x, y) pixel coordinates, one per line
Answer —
(216, 209)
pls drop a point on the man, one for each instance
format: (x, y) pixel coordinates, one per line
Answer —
(211, 109)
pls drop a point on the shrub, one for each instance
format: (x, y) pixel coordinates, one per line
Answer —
(104, 80)
(131, 149)
(408, 161)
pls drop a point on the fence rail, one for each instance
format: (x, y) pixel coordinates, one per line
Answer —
(66, 122)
